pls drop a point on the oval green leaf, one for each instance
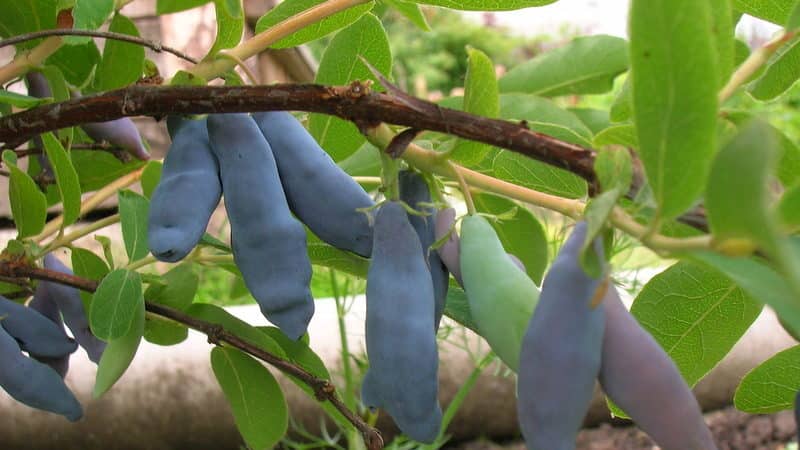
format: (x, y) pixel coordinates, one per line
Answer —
(66, 178)
(133, 210)
(122, 62)
(772, 386)
(696, 314)
(342, 64)
(674, 86)
(481, 98)
(28, 203)
(115, 304)
(119, 354)
(587, 65)
(256, 399)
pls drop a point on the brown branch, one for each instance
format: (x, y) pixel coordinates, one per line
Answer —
(354, 102)
(155, 46)
(323, 389)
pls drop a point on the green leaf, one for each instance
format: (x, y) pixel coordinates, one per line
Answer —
(614, 168)
(180, 287)
(25, 16)
(542, 115)
(596, 215)
(105, 242)
(696, 314)
(758, 280)
(622, 108)
(28, 203)
(301, 354)
(151, 175)
(115, 304)
(172, 6)
(230, 25)
(133, 217)
(595, 120)
(88, 15)
(119, 354)
(66, 178)
(723, 33)
(521, 170)
(675, 104)
(794, 18)
(20, 100)
(587, 65)
(481, 98)
(256, 399)
(289, 8)
(789, 208)
(86, 264)
(97, 169)
(522, 235)
(457, 306)
(411, 11)
(216, 315)
(322, 254)
(122, 62)
(486, 5)
(775, 11)
(737, 197)
(783, 70)
(165, 332)
(772, 386)
(624, 135)
(341, 64)
(76, 62)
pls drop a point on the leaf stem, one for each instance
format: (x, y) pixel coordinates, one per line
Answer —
(67, 239)
(92, 202)
(431, 161)
(756, 59)
(24, 61)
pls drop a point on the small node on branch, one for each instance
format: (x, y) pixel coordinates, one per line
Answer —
(215, 333)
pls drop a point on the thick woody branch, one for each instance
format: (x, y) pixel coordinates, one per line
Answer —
(323, 389)
(354, 102)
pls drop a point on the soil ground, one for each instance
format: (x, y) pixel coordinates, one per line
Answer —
(732, 429)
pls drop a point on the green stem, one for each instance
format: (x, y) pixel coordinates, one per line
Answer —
(390, 169)
(69, 238)
(142, 262)
(431, 161)
(754, 62)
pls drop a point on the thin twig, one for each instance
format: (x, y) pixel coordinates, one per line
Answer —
(102, 147)
(155, 46)
(323, 389)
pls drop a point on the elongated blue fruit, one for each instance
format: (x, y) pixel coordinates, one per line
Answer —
(501, 296)
(44, 304)
(35, 333)
(33, 383)
(187, 194)
(269, 244)
(401, 341)
(560, 355)
(414, 191)
(319, 193)
(68, 300)
(642, 379)
(450, 251)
